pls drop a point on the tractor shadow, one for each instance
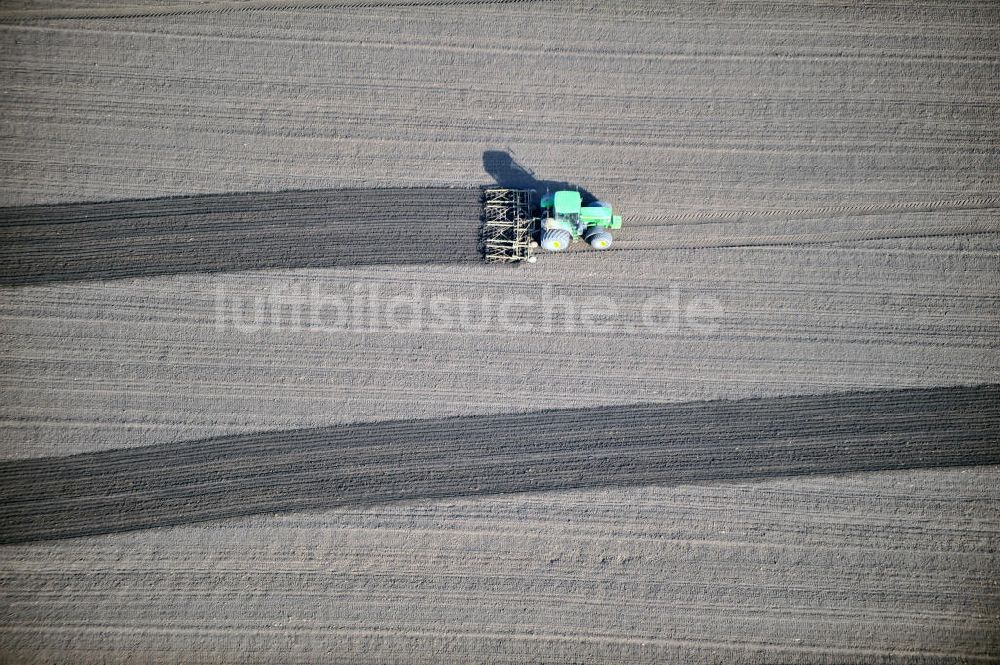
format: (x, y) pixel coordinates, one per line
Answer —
(507, 172)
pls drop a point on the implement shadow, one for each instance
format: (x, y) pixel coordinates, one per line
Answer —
(240, 231)
(508, 173)
(370, 463)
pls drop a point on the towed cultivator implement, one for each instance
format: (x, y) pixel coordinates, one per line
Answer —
(508, 226)
(513, 228)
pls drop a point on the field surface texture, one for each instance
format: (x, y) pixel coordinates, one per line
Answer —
(262, 401)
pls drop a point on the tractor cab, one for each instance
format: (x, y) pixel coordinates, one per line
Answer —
(563, 211)
(566, 207)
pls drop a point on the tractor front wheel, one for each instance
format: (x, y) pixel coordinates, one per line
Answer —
(599, 239)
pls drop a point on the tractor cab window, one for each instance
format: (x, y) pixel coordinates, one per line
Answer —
(571, 217)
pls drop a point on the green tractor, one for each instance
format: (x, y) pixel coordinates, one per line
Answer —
(566, 220)
(513, 227)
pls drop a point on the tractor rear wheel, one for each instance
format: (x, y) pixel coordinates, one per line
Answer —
(556, 240)
(599, 239)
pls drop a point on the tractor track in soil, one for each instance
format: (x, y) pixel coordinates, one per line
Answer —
(666, 444)
(241, 231)
(201, 8)
(335, 228)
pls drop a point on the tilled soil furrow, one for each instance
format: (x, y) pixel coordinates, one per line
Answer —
(372, 463)
(243, 231)
(804, 417)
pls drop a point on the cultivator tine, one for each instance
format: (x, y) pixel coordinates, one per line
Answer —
(508, 225)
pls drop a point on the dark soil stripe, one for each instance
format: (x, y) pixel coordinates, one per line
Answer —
(245, 231)
(377, 462)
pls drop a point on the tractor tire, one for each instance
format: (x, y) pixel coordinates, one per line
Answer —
(556, 240)
(600, 239)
